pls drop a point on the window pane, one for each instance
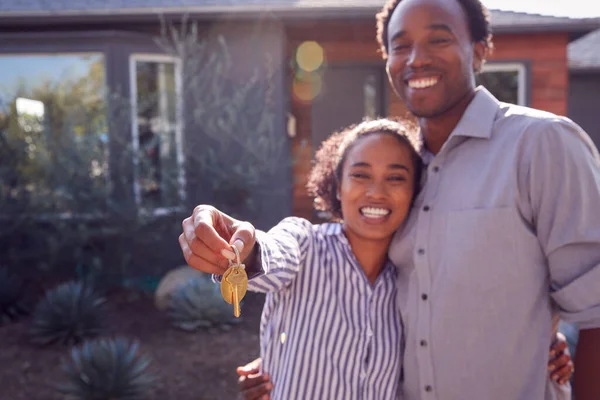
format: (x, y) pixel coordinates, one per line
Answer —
(53, 133)
(158, 170)
(502, 84)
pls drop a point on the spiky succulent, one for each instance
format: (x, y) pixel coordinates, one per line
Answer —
(68, 314)
(12, 301)
(107, 369)
(197, 303)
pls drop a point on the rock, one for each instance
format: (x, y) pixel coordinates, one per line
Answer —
(170, 282)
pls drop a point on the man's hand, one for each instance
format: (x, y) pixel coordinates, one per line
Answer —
(208, 236)
(252, 383)
(560, 365)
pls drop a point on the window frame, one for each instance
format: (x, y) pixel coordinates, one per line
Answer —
(135, 57)
(522, 69)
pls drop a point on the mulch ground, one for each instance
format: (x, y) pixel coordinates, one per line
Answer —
(190, 366)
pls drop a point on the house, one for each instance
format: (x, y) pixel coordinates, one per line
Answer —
(255, 101)
(584, 83)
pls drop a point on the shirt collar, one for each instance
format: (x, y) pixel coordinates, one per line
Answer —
(478, 119)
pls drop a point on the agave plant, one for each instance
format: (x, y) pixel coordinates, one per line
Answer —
(12, 302)
(107, 369)
(68, 314)
(197, 303)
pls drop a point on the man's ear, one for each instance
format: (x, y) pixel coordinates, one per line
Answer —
(480, 53)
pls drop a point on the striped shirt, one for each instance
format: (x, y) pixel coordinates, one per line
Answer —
(326, 331)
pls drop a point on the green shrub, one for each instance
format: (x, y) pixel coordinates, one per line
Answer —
(107, 369)
(68, 314)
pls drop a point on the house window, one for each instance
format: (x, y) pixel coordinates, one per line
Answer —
(506, 81)
(157, 132)
(53, 134)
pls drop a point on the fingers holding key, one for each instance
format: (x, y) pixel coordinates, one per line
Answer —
(202, 240)
(208, 237)
(198, 256)
(243, 239)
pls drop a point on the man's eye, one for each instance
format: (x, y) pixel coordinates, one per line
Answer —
(398, 178)
(400, 47)
(359, 175)
(439, 41)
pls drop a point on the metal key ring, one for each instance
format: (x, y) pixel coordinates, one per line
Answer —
(237, 257)
(237, 254)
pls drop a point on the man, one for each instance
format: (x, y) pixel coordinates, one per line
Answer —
(505, 234)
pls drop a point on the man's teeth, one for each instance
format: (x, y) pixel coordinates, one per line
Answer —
(371, 212)
(422, 83)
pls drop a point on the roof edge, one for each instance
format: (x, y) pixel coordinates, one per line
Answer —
(235, 12)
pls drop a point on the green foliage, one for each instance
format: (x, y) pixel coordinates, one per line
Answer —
(197, 304)
(68, 314)
(12, 299)
(107, 369)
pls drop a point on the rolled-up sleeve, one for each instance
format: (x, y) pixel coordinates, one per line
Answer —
(564, 188)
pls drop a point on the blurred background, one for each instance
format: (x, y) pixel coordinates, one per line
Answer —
(117, 117)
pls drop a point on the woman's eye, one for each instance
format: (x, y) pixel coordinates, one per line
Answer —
(439, 41)
(398, 178)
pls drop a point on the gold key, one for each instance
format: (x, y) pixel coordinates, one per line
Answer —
(234, 283)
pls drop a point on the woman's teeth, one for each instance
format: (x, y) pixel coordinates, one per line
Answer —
(372, 212)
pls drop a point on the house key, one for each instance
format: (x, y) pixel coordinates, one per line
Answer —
(234, 283)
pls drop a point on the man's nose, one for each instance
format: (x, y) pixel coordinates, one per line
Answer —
(419, 56)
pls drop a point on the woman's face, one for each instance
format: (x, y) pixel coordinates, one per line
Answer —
(377, 187)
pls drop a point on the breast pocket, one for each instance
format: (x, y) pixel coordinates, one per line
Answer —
(484, 249)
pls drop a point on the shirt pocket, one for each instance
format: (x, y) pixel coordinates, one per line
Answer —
(484, 249)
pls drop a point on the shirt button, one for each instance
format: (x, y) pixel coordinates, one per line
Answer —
(428, 388)
(421, 251)
(424, 296)
(369, 332)
(426, 208)
(423, 343)
(436, 169)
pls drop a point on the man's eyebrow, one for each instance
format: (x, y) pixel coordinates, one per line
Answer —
(397, 35)
(360, 164)
(433, 27)
(440, 27)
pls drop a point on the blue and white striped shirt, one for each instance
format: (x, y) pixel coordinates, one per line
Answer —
(326, 332)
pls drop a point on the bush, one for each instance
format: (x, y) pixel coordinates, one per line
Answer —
(198, 304)
(68, 314)
(107, 369)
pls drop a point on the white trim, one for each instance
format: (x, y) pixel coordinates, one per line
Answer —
(179, 126)
(509, 67)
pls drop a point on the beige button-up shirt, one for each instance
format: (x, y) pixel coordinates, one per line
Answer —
(505, 234)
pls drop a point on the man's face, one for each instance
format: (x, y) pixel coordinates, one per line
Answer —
(431, 56)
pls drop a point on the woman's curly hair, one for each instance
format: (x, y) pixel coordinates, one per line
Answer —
(326, 173)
